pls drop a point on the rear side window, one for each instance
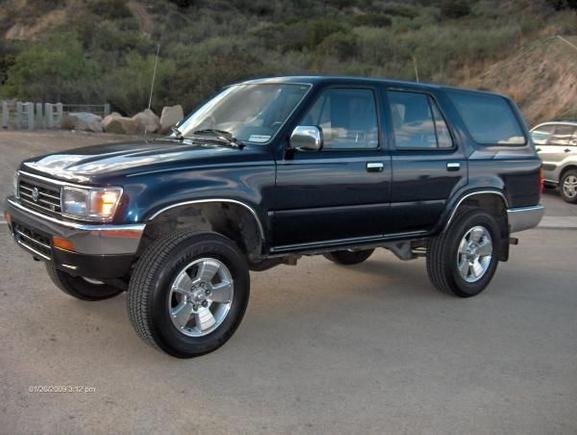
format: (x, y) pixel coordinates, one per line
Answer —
(417, 121)
(564, 136)
(489, 118)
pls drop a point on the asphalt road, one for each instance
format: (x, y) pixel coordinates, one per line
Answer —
(323, 349)
(372, 348)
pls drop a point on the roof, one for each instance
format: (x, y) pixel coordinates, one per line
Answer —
(302, 79)
(572, 123)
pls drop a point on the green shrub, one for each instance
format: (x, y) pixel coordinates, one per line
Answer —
(563, 4)
(55, 70)
(455, 8)
(400, 10)
(341, 45)
(372, 20)
(110, 9)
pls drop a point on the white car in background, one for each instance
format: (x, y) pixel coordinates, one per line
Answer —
(556, 144)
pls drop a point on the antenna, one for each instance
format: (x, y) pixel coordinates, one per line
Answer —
(416, 68)
(152, 83)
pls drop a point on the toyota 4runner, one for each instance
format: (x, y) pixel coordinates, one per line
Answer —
(270, 170)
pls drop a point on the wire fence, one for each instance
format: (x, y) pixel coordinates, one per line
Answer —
(27, 115)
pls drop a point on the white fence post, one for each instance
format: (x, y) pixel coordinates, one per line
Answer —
(59, 115)
(29, 108)
(39, 120)
(19, 111)
(49, 114)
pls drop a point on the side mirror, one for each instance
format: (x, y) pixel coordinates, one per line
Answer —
(306, 138)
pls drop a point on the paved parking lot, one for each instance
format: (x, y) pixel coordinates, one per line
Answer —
(323, 349)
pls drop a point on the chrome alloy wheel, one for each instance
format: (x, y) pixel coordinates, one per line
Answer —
(474, 254)
(570, 186)
(200, 297)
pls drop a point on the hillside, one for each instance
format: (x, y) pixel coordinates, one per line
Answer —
(79, 51)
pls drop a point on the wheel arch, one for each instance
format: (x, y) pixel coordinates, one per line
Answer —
(493, 201)
(569, 167)
(233, 218)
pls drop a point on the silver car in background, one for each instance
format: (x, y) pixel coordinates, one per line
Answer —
(556, 144)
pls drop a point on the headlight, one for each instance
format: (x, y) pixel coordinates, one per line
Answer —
(94, 204)
(15, 185)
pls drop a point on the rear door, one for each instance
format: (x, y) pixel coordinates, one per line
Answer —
(342, 191)
(427, 164)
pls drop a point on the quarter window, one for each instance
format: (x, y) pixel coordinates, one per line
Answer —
(489, 118)
(418, 122)
(347, 118)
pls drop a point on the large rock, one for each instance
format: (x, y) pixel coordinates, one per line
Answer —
(170, 116)
(83, 121)
(147, 121)
(109, 118)
(118, 124)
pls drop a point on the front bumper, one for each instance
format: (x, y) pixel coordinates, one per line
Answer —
(99, 251)
(524, 218)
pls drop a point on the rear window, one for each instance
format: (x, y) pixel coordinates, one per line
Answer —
(489, 118)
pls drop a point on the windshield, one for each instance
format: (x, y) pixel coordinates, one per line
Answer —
(250, 113)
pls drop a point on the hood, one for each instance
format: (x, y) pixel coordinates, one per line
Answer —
(86, 165)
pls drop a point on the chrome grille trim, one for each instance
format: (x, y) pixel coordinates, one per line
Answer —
(48, 200)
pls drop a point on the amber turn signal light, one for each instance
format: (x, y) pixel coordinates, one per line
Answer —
(62, 243)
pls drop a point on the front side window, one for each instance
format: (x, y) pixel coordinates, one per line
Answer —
(418, 122)
(541, 135)
(347, 118)
(489, 118)
(251, 113)
(564, 135)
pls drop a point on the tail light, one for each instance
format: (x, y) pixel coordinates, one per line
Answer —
(541, 181)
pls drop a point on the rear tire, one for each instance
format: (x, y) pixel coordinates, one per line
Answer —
(458, 263)
(568, 186)
(348, 258)
(175, 298)
(79, 287)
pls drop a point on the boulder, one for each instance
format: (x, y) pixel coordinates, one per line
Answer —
(170, 116)
(83, 121)
(119, 125)
(147, 121)
(109, 118)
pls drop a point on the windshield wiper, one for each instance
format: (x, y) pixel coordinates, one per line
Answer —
(177, 133)
(220, 135)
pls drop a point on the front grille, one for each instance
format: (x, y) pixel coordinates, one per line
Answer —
(40, 196)
(33, 241)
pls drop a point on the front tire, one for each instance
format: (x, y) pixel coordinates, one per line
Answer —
(80, 288)
(463, 259)
(188, 293)
(349, 258)
(568, 187)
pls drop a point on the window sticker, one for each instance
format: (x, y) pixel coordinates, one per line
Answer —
(259, 138)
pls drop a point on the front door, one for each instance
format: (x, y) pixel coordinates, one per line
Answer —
(342, 191)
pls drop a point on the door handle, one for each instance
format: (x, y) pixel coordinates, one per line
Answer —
(453, 166)
(567, 150)
(375, 167)
(538, 149)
